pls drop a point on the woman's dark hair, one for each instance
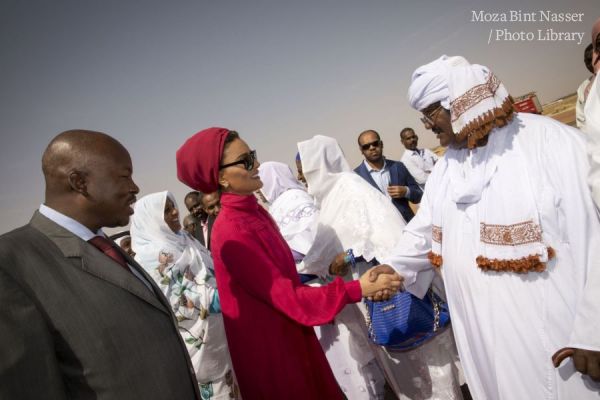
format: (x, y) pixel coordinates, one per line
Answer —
(231, 136)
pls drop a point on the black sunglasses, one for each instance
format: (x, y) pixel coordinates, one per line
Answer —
(366, 146)
(248, 161)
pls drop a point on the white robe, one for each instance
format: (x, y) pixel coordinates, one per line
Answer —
(592, 117)
(587, 323)
(419, 167)
(506, 325)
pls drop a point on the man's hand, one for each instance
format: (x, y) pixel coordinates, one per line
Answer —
(585, 361)
(588, 363)
(397, 192)
(374, 273)
(338, 266)
(380, 269)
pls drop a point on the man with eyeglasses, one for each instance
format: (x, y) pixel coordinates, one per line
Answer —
(419, 162)
(390, 177)
(508, 221)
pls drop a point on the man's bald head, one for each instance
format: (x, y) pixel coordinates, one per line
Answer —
(77, 150)
(87, 173)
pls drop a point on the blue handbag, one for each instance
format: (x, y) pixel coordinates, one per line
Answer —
(405, 321)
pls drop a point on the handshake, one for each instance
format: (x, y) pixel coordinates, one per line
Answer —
(380, 283)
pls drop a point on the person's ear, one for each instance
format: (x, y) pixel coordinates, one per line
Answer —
(78, 182)
(222, 182)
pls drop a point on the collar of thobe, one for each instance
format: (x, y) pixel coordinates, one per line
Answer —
(510, 234)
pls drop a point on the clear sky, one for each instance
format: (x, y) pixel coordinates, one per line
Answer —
(152, 73)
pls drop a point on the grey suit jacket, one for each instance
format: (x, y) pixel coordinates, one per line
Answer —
(75, 325)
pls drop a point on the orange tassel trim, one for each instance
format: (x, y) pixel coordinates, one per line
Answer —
(521, 266)
(435, 259)
(476, 131)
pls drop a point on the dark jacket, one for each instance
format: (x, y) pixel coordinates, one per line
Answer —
(75, 325)
(399, 176)
(199, 235)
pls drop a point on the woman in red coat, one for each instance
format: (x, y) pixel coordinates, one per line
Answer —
(268, 313)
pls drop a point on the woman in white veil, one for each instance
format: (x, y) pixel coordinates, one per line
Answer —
(355, 215)
(344, 341)
(293, 210)
(183, 269)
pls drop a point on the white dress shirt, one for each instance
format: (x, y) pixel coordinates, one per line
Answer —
(381, 177)
(419, 163)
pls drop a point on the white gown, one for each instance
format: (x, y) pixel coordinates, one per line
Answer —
(355, 215)
(506, 325)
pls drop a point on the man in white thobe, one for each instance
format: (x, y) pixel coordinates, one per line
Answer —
(509, 222)
(419, 162)
(585, 340)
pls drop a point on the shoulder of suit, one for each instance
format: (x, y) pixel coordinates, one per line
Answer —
(395, 163)
(18, 238)
(19, 247)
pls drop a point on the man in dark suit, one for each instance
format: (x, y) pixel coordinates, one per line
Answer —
(205, 207)
(388, 176)
(80, 319)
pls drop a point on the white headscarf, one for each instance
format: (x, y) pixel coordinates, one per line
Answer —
(151, 237)
(292, 208)
(322, 160)
(353, 214)
(277, 178)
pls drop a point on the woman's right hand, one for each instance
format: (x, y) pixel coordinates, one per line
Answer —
(380, 279)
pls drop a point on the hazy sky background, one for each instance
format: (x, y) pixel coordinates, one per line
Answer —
(152, 73)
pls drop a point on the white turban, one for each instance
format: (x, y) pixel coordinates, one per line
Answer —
(430, 83)
(478, 102)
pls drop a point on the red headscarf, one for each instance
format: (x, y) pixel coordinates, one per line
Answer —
(199, 158)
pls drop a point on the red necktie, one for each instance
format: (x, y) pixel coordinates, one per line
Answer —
(105, 246)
